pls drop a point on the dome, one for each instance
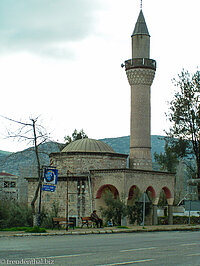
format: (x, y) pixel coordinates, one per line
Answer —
(88, 145)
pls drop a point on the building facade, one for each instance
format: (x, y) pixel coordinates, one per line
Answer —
(88, 168)
(13, 187)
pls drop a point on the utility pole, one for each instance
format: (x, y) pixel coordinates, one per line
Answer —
(67, 206)
(144, 199)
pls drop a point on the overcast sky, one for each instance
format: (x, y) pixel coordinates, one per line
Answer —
(62, 60)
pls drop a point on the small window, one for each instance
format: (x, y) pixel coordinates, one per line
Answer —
(6, 184)
(12, 184)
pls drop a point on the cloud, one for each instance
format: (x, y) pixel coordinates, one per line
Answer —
(40, 25)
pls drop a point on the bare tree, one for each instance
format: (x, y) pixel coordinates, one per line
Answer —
(35, 134)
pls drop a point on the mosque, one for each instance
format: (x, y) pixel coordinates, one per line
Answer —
(87, 167)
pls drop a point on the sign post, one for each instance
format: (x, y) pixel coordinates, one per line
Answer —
(50, 179)
(48, 182)
(143, 218)
(40, 197)
(67, 206)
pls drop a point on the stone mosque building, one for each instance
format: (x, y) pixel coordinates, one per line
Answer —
(87, 167)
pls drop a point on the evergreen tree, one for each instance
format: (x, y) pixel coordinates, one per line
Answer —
(184, 116)
(75, 136)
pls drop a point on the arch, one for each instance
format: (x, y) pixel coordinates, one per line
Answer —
(133, 192)
(109, 187)
(167, 192)
(152, 192)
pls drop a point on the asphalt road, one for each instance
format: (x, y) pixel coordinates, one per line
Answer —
(156, 248)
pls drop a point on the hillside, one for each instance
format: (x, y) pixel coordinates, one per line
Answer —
(122, 144)
(4, 153)
(15, 163)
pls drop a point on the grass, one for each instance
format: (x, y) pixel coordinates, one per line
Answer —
(122, 227)
(35, 229)
(15, 229)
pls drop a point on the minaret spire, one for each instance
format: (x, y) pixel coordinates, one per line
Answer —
(140, 70)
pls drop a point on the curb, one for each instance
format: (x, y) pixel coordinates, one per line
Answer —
(107, 231)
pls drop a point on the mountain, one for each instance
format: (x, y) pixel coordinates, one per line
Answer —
(122, 144)
(15, 163)
(4, 153)
(25, 161)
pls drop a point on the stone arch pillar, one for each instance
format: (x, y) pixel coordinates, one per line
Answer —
(154, 201)
(170, 210)
(155, 208)
(170, 202)
(133, 192)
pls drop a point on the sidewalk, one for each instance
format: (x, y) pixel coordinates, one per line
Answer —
(105, 230)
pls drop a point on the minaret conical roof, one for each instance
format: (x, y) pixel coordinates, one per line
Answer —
(140, 26)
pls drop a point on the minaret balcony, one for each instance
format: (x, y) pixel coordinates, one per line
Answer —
(140, 63)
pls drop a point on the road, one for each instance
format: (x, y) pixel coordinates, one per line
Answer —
(155, 248)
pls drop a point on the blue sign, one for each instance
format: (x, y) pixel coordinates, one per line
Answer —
(50, 176)
(48, 188)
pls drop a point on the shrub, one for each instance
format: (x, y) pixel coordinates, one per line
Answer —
(163, 220)
(15, 229)
(115, 210)
(35, 229)
(185, 220)
(14, 214)
(179, 220)
(46, 217)
(122, 227)
(135, 213)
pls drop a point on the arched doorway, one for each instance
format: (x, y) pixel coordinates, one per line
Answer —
(165, 194)
(153, 198)
(165, 203)
(151, 193)
(99, 200)
(150, 208)
(133, 195)
(134, 205)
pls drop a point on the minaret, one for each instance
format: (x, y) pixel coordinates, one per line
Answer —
(140, 72)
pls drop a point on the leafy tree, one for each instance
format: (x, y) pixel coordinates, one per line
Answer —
(184, 114)
(162, 199)
(115, 208)
(75, 136)
(176, 156)
(135, 212)
(167, 160)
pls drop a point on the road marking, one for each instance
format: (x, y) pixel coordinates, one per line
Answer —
(195, 254)
(126, 262)
(189, 244)
(136, 249)
(63, 256)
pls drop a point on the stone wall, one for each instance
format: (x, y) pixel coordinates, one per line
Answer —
(78, 197)
(75, 168)
(124, 179)
(83, 162)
